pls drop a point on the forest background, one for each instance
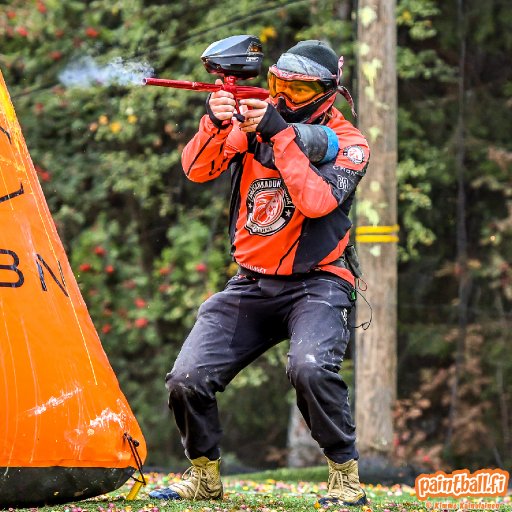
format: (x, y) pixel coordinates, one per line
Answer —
(148, 247)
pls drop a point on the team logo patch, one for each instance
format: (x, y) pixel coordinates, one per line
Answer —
(269, 207)
(354, 154)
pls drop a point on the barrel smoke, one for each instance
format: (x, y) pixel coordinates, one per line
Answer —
(86, 72)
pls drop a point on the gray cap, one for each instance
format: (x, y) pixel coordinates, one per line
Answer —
(318, 52)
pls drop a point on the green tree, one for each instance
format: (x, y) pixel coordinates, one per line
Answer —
(436, 82)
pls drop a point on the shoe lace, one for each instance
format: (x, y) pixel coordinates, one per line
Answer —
(188, 476)
(336, 482)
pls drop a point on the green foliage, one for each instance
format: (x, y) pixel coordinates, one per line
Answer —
(417, 16)
(428, 66)
(424, 64)
(414, 194)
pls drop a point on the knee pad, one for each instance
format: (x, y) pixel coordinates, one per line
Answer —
(181, 385)
(303, 372)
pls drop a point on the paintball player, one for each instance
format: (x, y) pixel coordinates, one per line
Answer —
(289, 229)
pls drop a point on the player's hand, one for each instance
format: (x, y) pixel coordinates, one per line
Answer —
(222, 104)
(253, 115)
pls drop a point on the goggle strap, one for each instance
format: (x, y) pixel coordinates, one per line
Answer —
(344, 92)
(340, 70)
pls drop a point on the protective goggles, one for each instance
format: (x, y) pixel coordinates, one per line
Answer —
(298, 88)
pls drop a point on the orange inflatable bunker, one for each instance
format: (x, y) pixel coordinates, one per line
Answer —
(65, 426)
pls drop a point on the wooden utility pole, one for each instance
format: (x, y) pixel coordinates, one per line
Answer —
(303, 450)
(376, 231)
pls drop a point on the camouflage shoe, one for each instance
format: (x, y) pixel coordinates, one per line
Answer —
(343, 487)
(201, 481)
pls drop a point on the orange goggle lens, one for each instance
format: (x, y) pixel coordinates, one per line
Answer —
(297, 91)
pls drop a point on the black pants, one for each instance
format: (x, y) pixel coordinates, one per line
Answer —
(236, 326)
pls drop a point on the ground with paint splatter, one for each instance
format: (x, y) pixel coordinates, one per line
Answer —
(256, 494)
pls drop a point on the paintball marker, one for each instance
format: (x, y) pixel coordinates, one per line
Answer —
(234, 58)
(239, 58)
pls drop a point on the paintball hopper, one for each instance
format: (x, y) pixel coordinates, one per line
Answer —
(237, 56)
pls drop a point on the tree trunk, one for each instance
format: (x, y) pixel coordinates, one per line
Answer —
(303, 450)
(376, 232)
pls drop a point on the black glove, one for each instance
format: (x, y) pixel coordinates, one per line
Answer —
(271, 124)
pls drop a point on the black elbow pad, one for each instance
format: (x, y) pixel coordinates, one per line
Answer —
(319, 141)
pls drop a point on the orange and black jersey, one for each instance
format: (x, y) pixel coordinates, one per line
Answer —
(288, 216)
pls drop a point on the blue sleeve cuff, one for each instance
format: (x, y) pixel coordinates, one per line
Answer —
(332, 145)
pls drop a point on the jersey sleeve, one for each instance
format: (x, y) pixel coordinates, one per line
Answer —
(309, 191)
(348, 168)
(209, 152)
